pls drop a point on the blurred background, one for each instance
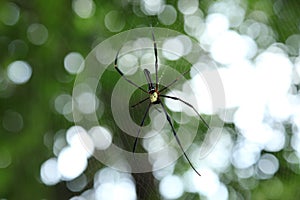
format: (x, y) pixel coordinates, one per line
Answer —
(253, 45)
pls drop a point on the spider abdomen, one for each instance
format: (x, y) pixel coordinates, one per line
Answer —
(154, 97)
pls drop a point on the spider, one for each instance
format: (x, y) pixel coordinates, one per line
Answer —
(154, 96)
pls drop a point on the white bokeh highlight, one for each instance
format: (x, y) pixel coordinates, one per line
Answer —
(84, 8)
(110, 184)
(74, 63)
(101, 137)
(71, 162)
(171, 187)
(19, 72)
(49, 172)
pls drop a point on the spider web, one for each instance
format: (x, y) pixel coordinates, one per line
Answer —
(147, 185)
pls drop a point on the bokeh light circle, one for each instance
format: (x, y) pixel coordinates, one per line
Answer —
(9, 13)
(168, 15)
(19, 72)
(113, 21)
(37, 34)
(171, 187)
(49, 172)
(12, 121)
(74, 63)
(84, 8)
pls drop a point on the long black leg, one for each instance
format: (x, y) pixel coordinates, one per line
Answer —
(173, 82)
(156, 61)
(138, 103)
(142, 123)
(149, 80)
(188, 104)
(177, 139)
(121, 73)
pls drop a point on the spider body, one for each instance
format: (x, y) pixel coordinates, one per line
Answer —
(154, 98)
(152, 90)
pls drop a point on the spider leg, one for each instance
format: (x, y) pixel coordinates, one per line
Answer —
(188, 104)
(142, 123)
(156, 61)
(138, 103)
(121, 73)
(149, 80)
(173, 82)
(176, 137)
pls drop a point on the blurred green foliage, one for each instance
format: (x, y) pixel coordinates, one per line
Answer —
(67, 32)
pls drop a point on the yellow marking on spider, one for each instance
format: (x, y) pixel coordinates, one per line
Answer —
(153, 97)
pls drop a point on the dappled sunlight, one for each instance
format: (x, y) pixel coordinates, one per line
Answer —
(257, 99)
(152, 99)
